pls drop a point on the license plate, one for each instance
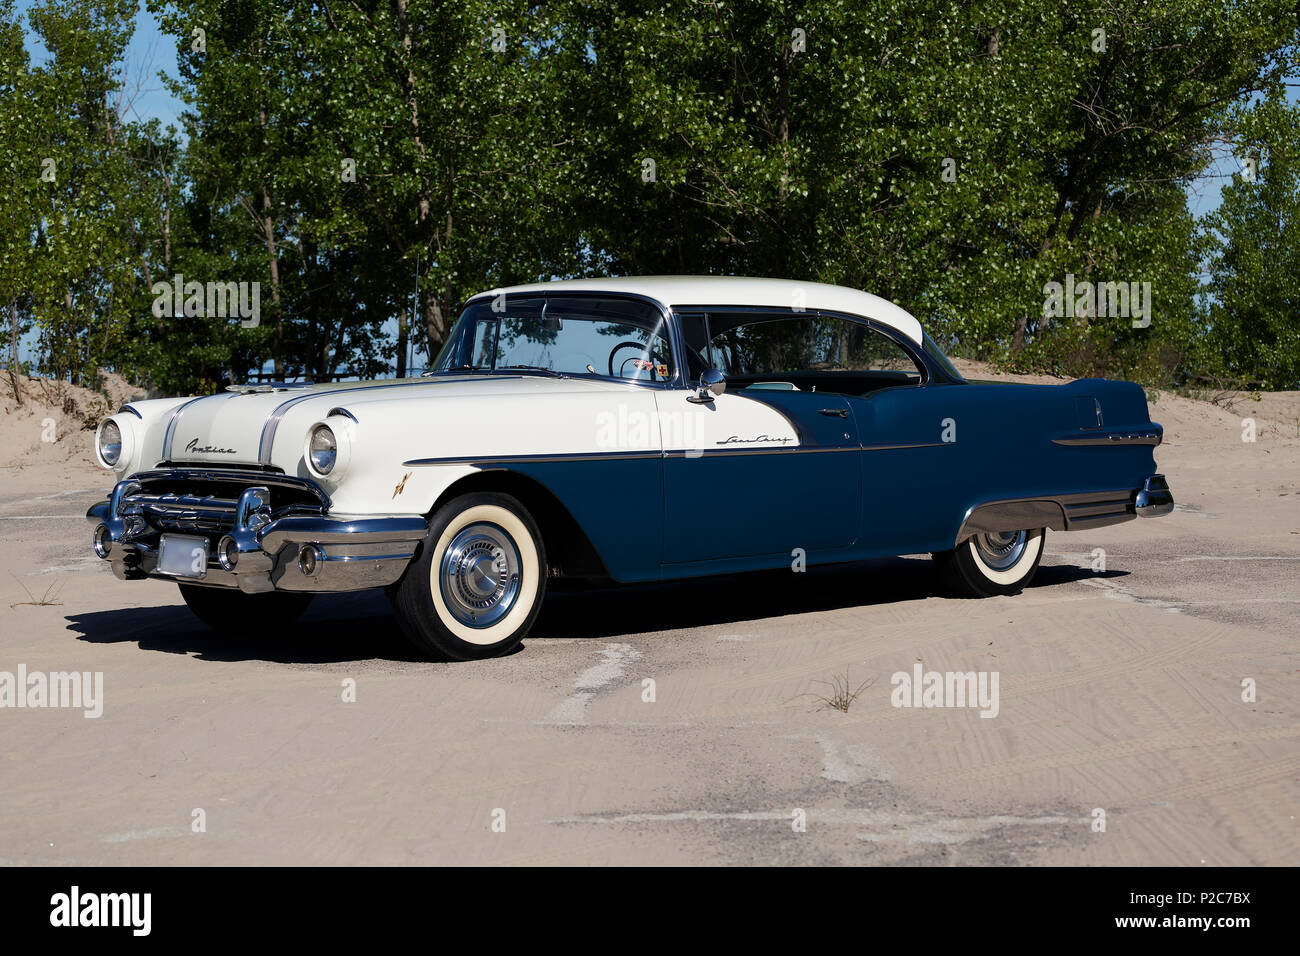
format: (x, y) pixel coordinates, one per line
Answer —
(183, 556)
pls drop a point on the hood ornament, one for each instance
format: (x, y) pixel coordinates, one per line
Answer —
(267, 387)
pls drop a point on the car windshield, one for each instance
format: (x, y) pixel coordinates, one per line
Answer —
(572, 336)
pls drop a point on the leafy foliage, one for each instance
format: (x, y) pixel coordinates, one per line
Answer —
(366, 161)
(1254, 308)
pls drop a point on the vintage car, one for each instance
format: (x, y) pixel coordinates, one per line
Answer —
(620, 430)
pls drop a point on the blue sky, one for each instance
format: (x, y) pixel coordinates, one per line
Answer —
(148, 53)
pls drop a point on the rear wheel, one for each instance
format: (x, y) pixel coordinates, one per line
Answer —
(477, 586)
(236, 612)
(992, 563)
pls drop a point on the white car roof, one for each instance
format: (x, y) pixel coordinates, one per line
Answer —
(682, 291)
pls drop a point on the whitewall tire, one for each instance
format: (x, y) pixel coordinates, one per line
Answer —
(985, 565)
(477, 585)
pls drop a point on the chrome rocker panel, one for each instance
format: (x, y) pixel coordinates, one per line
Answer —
(251, 546)
(1073, 512)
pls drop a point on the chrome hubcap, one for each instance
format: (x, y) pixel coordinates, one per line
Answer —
(1001, 549)
(479, 575)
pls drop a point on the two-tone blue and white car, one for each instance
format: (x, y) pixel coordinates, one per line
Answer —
(622, 430)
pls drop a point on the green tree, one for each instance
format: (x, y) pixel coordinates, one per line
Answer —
(952, 156)
(1254, 289)
(20, 120)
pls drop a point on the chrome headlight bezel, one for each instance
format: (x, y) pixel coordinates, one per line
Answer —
(124, 446)
(322, 449)
(328, 467)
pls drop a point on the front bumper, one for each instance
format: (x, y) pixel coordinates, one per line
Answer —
(253, 546)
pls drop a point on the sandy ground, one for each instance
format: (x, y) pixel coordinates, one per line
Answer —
(1119, 691)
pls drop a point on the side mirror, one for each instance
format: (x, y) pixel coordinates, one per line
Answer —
(712, 384)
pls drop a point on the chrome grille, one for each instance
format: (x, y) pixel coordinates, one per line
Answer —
(205, 501)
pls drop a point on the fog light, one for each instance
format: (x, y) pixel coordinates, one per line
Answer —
(308, 559)
(103, 541)
(227, 553)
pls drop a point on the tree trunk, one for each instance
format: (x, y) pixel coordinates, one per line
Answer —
(430, 308)
(1022, 321)
(268, 230)
(403, 327)
(13, 350)
(783, 134)
(272, 255)
(435, 320)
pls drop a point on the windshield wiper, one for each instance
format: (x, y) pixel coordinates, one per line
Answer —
(499, 368)
(453, 368)
(530, 368)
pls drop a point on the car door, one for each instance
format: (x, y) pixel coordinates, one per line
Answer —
(912, 468)
(761, 470)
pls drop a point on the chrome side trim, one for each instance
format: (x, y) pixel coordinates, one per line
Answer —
(487, 460)
(481, 460)
(745, 452)
(925, 444)
(336, 411)
(1141, 436)
(171, 425)
(132, 409)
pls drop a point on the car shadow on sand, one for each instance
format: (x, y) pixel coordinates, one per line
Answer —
(342, 628)
(336, 628)
(729, 599)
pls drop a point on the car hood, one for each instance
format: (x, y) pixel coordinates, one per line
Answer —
(249, 426)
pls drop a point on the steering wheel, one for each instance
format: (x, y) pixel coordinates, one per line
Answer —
(642, 348)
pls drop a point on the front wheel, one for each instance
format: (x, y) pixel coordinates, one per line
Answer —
(235, 612)
(988, 564)
(478, 583)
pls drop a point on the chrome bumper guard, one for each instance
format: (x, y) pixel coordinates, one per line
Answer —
(1155, 498)
(250, 548)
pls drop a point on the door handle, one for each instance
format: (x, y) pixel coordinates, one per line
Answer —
(835, 412)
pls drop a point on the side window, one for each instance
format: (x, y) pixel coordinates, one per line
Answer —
(822, 351)
(484, 342)
(695, 335)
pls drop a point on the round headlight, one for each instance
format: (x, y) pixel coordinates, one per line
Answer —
(323, 448)
(110, 443)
